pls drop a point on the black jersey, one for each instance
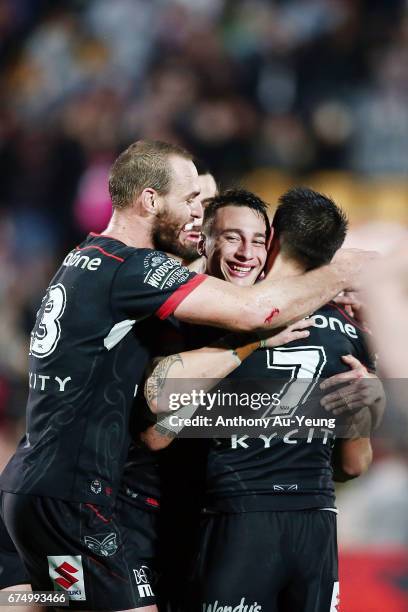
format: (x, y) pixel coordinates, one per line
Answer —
(89, 348)
(286, 472)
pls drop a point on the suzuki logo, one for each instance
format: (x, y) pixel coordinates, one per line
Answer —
(65, 570)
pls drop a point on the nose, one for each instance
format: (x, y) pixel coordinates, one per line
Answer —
(245, 250)
(196, 208)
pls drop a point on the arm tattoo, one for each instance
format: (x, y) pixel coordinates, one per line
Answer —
(156, 381)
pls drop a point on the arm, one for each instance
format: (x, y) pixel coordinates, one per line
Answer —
(351, 458)
(364, 400)
(216, 361)
(271, 303)
(212, 362)
(361, 389)
(387, 298)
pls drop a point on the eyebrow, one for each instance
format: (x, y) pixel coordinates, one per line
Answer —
(193, 194)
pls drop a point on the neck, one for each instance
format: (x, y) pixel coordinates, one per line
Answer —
(130, 228)
(283, 267)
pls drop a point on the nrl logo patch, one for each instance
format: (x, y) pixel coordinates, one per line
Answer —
(156, 261)
(102, 544)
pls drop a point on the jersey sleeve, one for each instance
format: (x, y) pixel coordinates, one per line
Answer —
(151, 283)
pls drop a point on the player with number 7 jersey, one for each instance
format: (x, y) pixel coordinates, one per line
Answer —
(268, 536)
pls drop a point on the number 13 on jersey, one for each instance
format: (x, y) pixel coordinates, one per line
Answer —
(47, 329)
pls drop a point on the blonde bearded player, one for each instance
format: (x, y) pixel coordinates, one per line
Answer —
(13, 575)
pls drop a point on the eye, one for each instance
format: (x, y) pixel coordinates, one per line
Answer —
(232, 237)
(259, 242)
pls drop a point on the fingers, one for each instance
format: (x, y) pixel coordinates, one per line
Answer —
(354, 363)
(285, 337)
(337, 379)
(298, 335)
(356, 372)
(355, 396)
(347, 299)
(303, 324)
(344, 403)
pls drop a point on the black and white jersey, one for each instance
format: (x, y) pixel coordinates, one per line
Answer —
(279, 470)
(89, 347)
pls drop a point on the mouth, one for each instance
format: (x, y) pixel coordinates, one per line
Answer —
(191, 232)
(193, 236)
(239, 270)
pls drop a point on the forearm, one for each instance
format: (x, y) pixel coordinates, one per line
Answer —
(351, 458)
(377, 406)
(208, 364)
(269, 304)
(298, 296)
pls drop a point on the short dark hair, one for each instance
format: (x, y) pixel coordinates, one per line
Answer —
(143, 164)
(310, 226)
(235, 197)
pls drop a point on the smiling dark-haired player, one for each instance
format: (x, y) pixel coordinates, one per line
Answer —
(269, 533)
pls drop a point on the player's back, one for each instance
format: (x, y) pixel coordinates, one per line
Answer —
(288, 466)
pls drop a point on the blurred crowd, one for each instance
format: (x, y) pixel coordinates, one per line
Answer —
(296, 86)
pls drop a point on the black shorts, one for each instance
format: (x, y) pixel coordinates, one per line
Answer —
(12, 570)
(102, 559)
(268, 562)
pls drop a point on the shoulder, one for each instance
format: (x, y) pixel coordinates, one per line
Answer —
(334, 316)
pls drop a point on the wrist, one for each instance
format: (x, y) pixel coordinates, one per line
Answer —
(242, 352)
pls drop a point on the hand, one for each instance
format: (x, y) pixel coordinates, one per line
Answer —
(353, 305)
(352, 262)
(296, 331)
(363, 390)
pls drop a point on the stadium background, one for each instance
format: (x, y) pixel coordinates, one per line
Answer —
(268, 94)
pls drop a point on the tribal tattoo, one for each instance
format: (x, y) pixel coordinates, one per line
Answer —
(156, 381)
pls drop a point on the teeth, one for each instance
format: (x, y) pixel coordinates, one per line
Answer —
(240, 268)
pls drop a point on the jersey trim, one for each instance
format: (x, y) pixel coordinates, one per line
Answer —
(95, 235)
(178, 296)
(94, 246)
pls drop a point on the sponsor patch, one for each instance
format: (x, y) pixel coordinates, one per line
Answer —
(241, 607)
(67, 575)
(142, 578)
(335, 602)
(163, 272)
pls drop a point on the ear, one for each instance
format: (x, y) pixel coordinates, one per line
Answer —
(201, 246)
(149, 199)
(273, 251)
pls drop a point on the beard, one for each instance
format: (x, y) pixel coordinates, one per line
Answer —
(166, 233)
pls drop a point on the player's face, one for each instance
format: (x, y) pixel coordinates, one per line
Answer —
(181, 206)
(190, 236)
(236, 249)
